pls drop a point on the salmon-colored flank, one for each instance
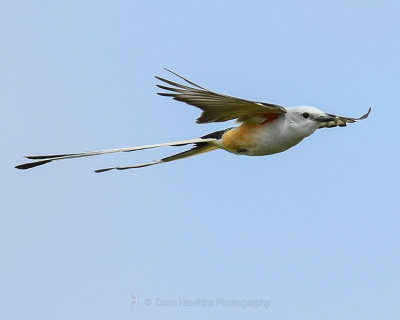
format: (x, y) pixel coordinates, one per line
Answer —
(269, 117)
(242, 137)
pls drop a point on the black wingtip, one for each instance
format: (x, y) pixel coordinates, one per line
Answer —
(29, 165)
(183, 78)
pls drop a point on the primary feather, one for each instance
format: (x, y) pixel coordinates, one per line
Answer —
(216, 107)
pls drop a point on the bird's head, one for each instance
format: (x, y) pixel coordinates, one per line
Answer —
(305, 120)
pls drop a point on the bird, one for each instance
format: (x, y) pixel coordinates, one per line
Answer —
(263, 128)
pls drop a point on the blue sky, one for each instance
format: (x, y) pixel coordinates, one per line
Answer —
(315, 230)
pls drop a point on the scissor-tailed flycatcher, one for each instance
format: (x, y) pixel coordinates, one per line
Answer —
(265, 128)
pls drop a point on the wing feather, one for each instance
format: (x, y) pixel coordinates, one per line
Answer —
(216, 107)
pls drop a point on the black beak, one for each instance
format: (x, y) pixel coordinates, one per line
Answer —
(325, 118)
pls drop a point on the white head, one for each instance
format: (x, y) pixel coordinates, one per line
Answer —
(304, 120)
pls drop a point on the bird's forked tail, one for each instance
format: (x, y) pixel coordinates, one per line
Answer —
(201, 145)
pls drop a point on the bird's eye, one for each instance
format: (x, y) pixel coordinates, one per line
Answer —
(306, 115)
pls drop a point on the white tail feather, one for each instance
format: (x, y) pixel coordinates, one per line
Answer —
(185, 154)
(50, 158)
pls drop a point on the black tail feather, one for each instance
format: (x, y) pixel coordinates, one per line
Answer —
(51, 156)
(32, 164)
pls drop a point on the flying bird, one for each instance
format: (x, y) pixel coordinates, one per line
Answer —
(264, 128)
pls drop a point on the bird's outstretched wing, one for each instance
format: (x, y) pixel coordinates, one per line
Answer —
(342, 121)
(216, 107)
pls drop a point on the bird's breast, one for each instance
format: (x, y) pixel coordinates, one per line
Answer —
(257, 138)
